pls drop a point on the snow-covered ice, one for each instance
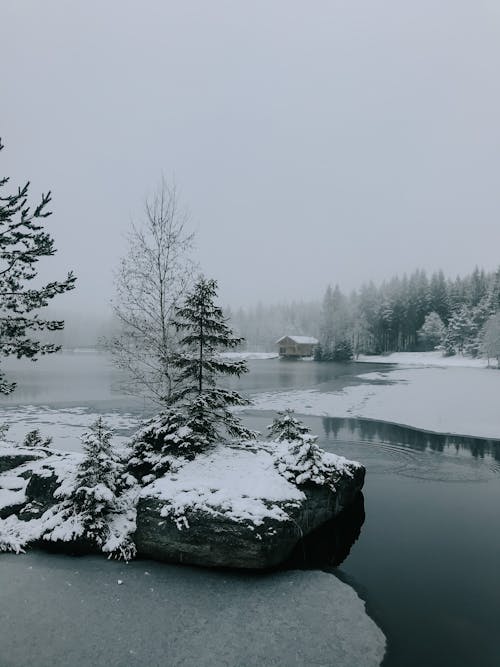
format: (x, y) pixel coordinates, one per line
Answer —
(458, 400)
(63, 425)
(183, 616)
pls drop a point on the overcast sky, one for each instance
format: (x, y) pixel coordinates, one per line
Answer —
(313, 142)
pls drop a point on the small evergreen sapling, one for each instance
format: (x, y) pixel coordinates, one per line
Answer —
(300, 460)
(287, 427)
(102, 500)
(96, 482)
(157, 447)
(35, 439)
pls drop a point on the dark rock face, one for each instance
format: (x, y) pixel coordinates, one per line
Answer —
(10, 461)
(221, 542)
(7, 510)
(41, 488)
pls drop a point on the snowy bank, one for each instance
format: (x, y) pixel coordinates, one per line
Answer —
(434, 358)
(230, 506)
(461, 401)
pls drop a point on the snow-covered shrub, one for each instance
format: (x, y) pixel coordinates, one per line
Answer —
(95, 503)
(301, 462)
(35, 439)
(157, 447)
(299, 459)
(287, 427)
(96, 481)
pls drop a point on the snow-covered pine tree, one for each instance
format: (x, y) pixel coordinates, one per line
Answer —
(35, 439)
(98, 483)
(287, 427)
(491, 338)
(300, 460)
(204, 334)
(432, 332)
(460, 331)
(22, 243)
(160, 443)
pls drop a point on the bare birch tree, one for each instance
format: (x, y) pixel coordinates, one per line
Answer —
(150, 282)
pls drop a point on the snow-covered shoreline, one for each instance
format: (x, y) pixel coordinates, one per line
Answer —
(454, 400)
(427, 359)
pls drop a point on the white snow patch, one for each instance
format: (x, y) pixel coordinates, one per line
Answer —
(242, 484)
(434, 358)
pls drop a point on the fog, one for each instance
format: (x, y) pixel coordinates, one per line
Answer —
(312, 142)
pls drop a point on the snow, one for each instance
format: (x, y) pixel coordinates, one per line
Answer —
(59, 522)
(64, 425)
(301, 340)
(435, 358)
(239, 356)
(456, 400)
(240, 484)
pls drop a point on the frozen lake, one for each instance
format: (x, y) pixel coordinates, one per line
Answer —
(426, 560)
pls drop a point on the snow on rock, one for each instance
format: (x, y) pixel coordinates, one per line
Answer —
(242, 484)
(230, 506)
(12, 455)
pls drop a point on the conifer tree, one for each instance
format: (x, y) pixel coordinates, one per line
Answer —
(97, 482)
(160, 443)
(301, 460)
(287, 427)
(432, 331)
(23, 242)
(491, 338)
(204, 334)
(460, 331)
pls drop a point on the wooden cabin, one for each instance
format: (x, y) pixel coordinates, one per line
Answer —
(296, 346)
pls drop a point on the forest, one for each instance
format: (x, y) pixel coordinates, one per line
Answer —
(409, 313)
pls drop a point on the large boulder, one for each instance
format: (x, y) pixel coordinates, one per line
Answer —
(219, 541)
(246, 517)
(230, 507)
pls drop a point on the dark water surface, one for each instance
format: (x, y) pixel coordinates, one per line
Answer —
(427, 558)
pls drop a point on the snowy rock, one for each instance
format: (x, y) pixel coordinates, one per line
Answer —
(232, 508)
(229, 507)
(12, 456)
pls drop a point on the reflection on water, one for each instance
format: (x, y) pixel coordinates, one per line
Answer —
(330, 544)
(368, 430)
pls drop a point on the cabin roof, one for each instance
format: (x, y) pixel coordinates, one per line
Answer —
(301, 340)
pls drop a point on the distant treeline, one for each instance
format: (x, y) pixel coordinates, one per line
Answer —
(411, 313)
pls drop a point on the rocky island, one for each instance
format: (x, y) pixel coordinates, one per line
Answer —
(231, 506)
